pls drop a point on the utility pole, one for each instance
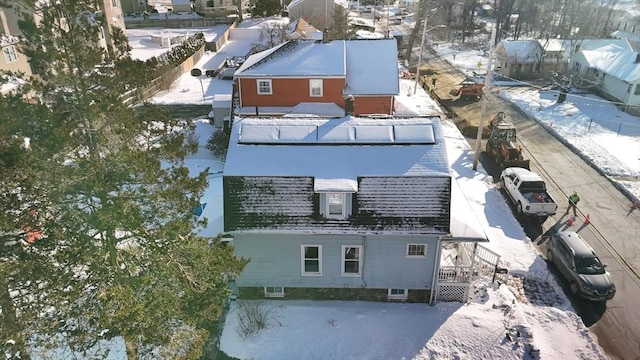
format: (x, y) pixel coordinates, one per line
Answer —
(487, 80)
(388, 11)
(424, 32)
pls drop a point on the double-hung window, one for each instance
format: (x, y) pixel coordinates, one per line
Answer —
(315, 87)
(10, 54)
(416, 250)
(637, 92)
(264, 87)
(336, 206)
(311, 263)
(352, 260)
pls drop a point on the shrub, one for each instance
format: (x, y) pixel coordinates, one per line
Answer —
(255, 315)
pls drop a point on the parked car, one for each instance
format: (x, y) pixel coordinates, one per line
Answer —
(579, 264)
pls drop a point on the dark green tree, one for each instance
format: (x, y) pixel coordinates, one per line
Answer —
(340, 30)
(266, 8)
(117, 255)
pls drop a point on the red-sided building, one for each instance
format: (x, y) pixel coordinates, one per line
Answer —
(329, 79)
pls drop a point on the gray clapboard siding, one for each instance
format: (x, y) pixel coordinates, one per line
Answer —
(276, 261)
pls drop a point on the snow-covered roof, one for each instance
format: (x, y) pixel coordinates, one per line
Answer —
(297, 58)
(351, 59)
(592, 44)
(522, 50)
(613, 60)
(344, 148)
(365, 76)
(626, 35)
(555, 44)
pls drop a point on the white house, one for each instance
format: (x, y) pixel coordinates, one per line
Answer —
(613, 69)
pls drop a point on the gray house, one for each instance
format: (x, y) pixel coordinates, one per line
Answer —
(348, 208)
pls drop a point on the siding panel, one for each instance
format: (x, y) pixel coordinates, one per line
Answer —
(275, 261)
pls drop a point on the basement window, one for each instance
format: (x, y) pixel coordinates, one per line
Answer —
(398, 294)
(274, 291)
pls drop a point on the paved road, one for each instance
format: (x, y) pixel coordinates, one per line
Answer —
(614, 232)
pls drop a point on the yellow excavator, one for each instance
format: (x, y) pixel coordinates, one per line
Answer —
(502, 144)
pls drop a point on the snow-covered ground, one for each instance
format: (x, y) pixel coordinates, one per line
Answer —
(500, 321)
(604, 134)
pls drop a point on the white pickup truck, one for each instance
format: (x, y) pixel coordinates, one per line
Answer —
(528, 192)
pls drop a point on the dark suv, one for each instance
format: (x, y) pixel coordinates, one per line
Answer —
(578, 263)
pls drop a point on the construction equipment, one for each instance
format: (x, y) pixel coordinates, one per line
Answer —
(469, 89)
(502, 144)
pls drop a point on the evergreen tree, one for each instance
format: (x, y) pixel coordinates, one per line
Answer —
(108, 191)
(340, 30)
(266, 8)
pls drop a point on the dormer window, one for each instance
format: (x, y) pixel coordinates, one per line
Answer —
(336, 197)
(336, 206)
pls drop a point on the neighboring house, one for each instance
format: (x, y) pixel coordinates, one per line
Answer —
(12, 60)
(628, 28)
(409, 5)
(138, 6)
(183, 6)
(114, 18)
(348, 208)
(519, 59)
(525, 59)
(135, 6)
(111, 13)
(318, 13)
(216, 8)
(613, 69)
(301, 29)
(323, 78)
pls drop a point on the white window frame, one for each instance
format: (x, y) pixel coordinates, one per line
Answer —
(274, 291)
(265, 81)
(10, 54)
(317, 85)
(303, 259)
(343, 213)
(344, 260)
(424, 251)
(394, 294)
